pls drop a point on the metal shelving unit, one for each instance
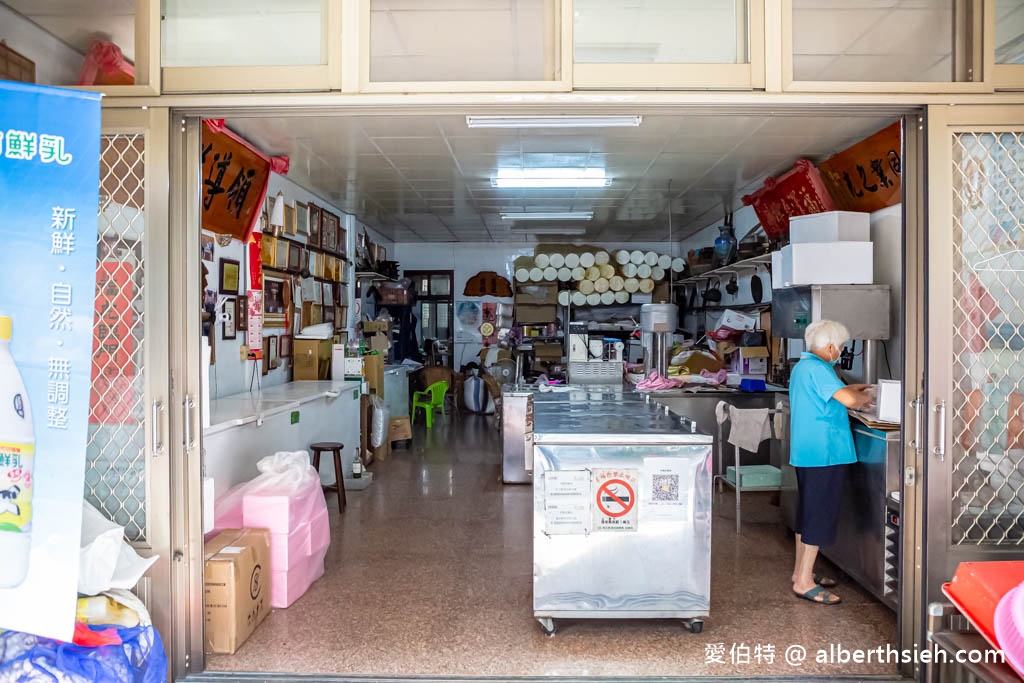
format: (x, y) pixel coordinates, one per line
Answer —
(737, 269)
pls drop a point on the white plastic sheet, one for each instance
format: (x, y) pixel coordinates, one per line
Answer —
(107, 561)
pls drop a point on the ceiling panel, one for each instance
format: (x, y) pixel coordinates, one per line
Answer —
(421, 177)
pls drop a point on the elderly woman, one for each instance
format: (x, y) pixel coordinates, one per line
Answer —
(821, 447)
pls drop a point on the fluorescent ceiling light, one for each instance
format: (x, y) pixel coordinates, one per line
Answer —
(547, 216)
(550, 231)
(550, 177)
(553, 121)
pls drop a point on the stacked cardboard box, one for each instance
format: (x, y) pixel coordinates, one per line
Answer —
(237, 587)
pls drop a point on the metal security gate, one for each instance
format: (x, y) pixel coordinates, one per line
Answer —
(126, 475)
(974, 463)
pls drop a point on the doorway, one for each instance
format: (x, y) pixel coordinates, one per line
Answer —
(458, 455)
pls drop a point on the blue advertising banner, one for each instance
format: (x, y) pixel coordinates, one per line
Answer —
(49, 198)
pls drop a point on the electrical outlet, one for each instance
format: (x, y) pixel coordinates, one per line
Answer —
(243, 352)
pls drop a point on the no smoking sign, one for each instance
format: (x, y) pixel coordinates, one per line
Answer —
(615, 499)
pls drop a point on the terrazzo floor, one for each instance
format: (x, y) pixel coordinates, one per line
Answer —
(429, 573)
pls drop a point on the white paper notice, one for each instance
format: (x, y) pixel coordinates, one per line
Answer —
(666, 488)
(566, 502)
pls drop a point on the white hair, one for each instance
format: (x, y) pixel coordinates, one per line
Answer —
(824, 332)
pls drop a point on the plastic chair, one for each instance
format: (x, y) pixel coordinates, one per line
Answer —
(430, 400)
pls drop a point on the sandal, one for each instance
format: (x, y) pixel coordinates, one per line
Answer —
(825, 581)
(826, 597)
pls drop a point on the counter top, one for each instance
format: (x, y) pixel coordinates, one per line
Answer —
(239, 409)
(627, 421)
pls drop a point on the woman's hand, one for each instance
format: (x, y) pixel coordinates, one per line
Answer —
(853, 396)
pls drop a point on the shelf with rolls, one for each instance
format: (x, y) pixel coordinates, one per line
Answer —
(597, 277)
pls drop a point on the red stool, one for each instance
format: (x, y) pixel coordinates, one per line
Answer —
(339, 485)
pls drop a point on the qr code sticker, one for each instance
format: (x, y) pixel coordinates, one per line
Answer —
(666, 488)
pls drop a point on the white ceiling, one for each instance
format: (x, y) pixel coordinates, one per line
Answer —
(79, 22)
(428, 178)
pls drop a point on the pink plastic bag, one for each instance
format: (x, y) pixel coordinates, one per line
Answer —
(288, 489)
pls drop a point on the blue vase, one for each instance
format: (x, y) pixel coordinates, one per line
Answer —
(725, 245)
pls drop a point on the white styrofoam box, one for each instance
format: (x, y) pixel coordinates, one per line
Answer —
(830, 226)
(828, 263)
(890, 400)
(738, 321)
(778, 271)
(338, 368)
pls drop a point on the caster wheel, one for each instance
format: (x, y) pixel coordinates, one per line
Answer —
(548, 628)
(695, 626)
(549, 633)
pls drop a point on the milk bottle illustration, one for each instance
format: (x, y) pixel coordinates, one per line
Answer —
(17, 449)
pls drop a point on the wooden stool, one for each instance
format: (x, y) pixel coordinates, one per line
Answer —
(339, 485)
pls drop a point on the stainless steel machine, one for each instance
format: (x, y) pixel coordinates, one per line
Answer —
(863, 309)
(657, 324)
(622, 513)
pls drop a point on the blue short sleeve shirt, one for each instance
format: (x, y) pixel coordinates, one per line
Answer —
(819, 425)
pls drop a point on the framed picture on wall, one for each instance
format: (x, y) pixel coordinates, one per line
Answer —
(329, 226)
(285, 346)
(241, 313)
(342, 242)
(275, 358)
(274, 308)
(315, 216)
(230, 274)
(268, 250)
(266, 356)
(206, 241)
(328, 294)
(289, 220)
(281, 257)
(294, 257)
(301, 218)
(229, 311)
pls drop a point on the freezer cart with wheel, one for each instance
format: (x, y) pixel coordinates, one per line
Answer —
(622, 514)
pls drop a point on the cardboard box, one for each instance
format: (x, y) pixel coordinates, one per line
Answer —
(828, 263)
(738, 321)
(237, 587)
(399, 429)
(394, 296)
(831, 226)
(536, 295)
(751, 360)
(536, 314)
(373, 371)
(380, 342)
(375, 326)
(312, 359)
(547, 351)
(365, 414)
(353, 367)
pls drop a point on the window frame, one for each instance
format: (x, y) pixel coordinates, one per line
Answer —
(299, 78)
(748, 76)
(1004, 76)
(973, 53)
(560, 35)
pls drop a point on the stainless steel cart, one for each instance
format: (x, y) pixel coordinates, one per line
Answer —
(622, 514)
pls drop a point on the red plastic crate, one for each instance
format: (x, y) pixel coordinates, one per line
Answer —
(976, 589)
(795, 193)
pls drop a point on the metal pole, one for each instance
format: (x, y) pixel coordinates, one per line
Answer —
(870, 361)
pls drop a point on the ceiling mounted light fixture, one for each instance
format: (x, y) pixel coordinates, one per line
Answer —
(553, 121)
(549, 231)
(547, 216)
(536, 178)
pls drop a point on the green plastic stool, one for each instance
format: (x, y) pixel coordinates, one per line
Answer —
(430, 400)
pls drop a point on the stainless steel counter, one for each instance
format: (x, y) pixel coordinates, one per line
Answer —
(622, 513)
